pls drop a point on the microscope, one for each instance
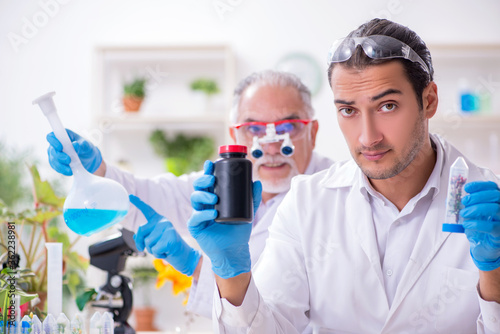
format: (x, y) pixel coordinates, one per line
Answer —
(110, 255)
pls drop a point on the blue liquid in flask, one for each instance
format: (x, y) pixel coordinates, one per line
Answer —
(89, 221)
(106, 194)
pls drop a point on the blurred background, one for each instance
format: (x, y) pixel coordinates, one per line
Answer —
(185, 57)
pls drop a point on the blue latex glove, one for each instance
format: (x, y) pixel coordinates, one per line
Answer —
(89, 155)
(225, 244)
(161, 239)
(482, 223)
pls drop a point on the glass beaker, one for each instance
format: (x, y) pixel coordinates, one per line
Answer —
(93, 203)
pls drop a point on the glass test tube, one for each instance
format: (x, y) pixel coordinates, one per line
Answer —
(77, 325)
(459, 172)
(26, 325)
(108, 324)
(95, 323)
(36, 325)
(63, 324)
(50, 324)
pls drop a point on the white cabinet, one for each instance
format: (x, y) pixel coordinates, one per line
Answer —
(473, 68)
(170, 104)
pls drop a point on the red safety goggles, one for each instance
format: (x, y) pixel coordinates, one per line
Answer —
(293, 127)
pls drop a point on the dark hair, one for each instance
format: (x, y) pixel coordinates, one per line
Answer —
(417, 76)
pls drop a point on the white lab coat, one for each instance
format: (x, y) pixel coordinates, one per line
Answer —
(170, 196)
(321, 265)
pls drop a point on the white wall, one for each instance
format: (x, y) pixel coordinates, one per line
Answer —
(57, 54)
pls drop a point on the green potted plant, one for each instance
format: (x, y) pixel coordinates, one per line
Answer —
(33, 228)
(133, 94)
(13, 282)
(143, 278)
(204, 90)
(207, 86)
(182, 154)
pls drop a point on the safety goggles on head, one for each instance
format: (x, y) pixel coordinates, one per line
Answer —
(375, 47)
(294, 127)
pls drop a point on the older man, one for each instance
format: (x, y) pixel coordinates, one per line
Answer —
(263, 98)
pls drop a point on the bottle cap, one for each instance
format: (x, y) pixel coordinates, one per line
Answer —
(232, 149)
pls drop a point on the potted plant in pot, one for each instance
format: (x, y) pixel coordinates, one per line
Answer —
(182, 154)
(207, 86)
(143, 278)
(205, 89)
(133, 94)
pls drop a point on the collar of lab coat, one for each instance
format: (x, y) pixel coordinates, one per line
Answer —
(433, 182)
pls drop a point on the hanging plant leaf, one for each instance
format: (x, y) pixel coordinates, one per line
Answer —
(44, 192)
(85, 297)
(42, 215)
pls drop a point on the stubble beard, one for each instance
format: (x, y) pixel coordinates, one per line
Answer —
(400, 163)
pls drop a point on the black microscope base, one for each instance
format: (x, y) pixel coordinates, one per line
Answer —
(124, 329)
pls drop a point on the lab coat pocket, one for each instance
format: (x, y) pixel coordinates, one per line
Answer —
(462, 280)
(457, 303)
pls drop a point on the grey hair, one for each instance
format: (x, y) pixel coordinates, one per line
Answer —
(271, 78)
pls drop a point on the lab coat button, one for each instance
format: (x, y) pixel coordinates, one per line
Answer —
(389, 272)
(493, 319)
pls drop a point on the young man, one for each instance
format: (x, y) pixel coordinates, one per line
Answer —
(359, 247)
(260, 98)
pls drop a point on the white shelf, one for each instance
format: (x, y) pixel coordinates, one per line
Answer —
(158, 119)
(170, 105)
(476, 65)
(475, 135)
(465, 51)
(474, 121)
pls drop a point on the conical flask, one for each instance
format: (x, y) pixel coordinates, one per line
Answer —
(93, 203)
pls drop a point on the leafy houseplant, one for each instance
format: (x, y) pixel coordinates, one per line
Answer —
(207, 86)
(133, 94)
(182, 154)
(34, 228)
(204, 89)
(13, 282)
(143, 277)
